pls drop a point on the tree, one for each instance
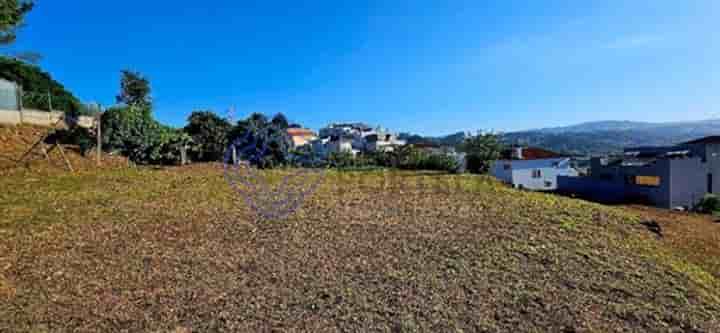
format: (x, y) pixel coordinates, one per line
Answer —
(134, 90)
(280, 121)
(263, 143)
(134, 133)
(209, 132)
(482, 149)
(12, 16)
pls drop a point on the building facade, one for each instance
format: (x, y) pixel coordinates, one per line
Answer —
(665, 177)
(532, 168)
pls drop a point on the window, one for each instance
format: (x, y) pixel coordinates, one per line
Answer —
(653, 181)
(548, 184)
(506, 167)
(537, 173)
(709, 183)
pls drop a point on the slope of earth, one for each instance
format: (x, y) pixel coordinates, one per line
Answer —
(177, 250)
(695, 237)
(16, 140)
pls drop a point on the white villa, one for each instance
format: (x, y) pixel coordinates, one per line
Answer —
(354, 138)
(532, 168)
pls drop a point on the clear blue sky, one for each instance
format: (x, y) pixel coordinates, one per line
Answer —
(432, 67)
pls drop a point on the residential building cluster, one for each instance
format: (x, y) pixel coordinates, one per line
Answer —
(673, 177)
(353, 138)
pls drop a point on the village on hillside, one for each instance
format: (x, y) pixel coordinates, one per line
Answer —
(676, 177)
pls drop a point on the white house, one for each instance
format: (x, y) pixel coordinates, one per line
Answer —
(532, 168)
(355, 138)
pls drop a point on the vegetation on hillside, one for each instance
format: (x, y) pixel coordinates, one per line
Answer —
(39, 89)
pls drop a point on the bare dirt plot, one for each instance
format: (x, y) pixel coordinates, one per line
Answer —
(695, 236)
(174, 249)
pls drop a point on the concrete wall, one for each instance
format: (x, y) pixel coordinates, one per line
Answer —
(687, 185)
(712, 158)
(41, 118)
(9, 117)
(592, 189)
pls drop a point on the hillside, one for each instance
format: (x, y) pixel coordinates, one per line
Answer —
(176, 250)
(594, 138)
(612, 136)
(454, 139)
(36, 85)
(16, 140)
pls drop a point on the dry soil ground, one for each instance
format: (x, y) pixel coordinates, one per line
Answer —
(177, 250)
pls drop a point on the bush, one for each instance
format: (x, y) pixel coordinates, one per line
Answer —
(709, 204)
(134, 133)
(406, 158)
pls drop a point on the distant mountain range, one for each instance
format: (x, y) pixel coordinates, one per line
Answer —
(605, 137)
(597, 138)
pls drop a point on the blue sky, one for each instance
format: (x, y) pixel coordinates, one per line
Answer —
(431, 67)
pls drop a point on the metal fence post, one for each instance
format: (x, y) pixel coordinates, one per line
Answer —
(19, 96)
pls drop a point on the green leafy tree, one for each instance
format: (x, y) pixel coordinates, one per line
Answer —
(280, 121)
(270, 139)
(482, 149)
(135, 134)
(12, 16)
(134, 90)
(209, 133)
(131, 129)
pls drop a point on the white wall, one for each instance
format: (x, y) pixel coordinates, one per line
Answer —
(521, 172)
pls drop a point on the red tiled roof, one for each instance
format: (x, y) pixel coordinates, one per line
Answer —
(533, 153)
(300, 132)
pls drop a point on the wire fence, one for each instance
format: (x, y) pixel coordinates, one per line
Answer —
(9, 95)
(14, 98)
(43, 108)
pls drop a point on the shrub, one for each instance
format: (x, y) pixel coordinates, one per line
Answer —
(709, 204)
(134, 133)
(410, 158)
